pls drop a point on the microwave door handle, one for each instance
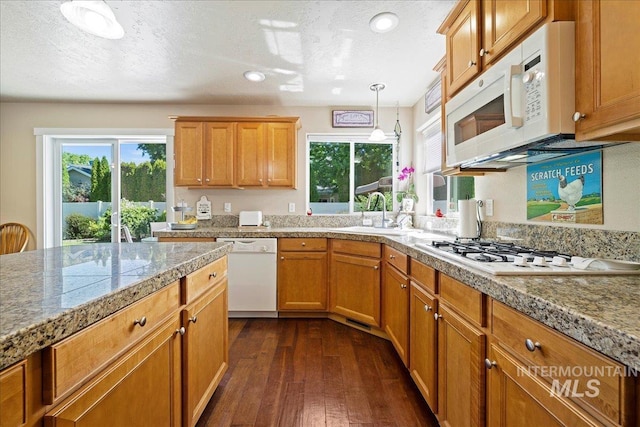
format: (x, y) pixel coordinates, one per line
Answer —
(512, 121)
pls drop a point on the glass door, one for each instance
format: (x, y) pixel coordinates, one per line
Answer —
(110, 189)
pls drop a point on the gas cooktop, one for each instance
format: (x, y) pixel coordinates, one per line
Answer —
(510, 259)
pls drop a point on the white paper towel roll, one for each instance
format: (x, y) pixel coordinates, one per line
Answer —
(468, 223)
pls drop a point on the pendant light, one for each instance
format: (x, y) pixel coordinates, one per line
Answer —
(94, 17)
(377, 135)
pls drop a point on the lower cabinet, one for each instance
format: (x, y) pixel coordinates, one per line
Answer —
(302, 274)
(461, 374)
(423, 357)
(141, 389)
(355, 281)
(517, 398)
(13, 395)
(205, 350)
(395, 310)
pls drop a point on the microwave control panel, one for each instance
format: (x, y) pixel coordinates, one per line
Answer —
(532, 79)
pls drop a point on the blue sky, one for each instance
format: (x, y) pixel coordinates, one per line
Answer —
(128, 152)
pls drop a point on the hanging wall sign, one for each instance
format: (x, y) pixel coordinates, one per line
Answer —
(352, 119)
(566, 190)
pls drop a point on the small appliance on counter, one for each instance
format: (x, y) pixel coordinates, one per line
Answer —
(250, 219)
(203, 208)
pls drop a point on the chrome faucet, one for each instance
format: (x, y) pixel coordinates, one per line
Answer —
(385, 222)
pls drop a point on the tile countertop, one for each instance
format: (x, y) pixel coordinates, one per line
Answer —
(47, 295)
(601, 312)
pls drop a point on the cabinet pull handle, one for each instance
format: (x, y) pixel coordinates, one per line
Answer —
(490, 363)
(181, 330)
(193, 319)
(531, 345)
(471, 64)
(142, 321)
(427, 308)
(577, 116)
(375, 267)
(213, 275)
(437, 316)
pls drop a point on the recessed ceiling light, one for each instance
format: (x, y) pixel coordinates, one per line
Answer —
(383, 22)
(94, 17)
(254, 76)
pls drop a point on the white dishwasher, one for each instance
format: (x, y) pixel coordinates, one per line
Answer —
(252, 277)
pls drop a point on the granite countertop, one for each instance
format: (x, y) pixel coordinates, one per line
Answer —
(47, 295)
(599, 311)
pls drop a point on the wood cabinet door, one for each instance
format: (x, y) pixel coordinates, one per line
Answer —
(142, 388)
(461, 376)
(189, 152)
(219, 154)
(13, 395)
(504, 22)
(395, 310)
(250, 160)
(423, 363)
(516, 398)
(355, 288)
(205, 350)
(281, 155)
(302, 281)
(463, 47)
(608, 70)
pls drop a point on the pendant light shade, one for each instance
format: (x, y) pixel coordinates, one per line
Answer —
(378, 134)
(94, 17)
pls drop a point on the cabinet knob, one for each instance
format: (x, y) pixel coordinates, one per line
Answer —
(141, 321)
(282, 258)
(199, 179)
(489, 363)
(392, 257)
(375, 267)
(269, 180)
(403, 286)
(213, 275)
(577, 116)
(207, 180)
(427, 308)
(437, 316)
(484, 52)
(181, 330)
(471, 63)
(260, 180)
(303, 244)
(193, 319)
(531, 345)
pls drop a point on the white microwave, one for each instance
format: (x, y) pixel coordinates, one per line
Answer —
(525, 101)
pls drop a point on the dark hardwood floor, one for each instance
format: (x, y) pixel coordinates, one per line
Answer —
(313, 372)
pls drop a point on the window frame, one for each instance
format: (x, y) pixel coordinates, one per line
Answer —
(352, 139)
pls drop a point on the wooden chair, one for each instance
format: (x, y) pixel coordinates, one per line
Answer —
(13, 238)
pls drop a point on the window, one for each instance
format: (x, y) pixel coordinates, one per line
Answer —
(442, 192)
(343, 171)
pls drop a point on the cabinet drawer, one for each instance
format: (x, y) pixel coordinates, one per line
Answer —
(69, 362)
(396, 258)
(13, 395)
(200, 281)
(559, 359)
(424, 275)
(354, 247)
(299, 244)
(467, 301)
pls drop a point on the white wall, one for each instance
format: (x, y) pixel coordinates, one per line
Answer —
(18, 150)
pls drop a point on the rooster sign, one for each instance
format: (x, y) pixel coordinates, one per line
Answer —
(568, 189)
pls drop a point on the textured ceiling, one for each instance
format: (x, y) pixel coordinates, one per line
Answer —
(314, 53)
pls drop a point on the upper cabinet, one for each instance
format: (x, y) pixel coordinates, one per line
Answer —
(478, 32)
(607, 70)
(236, 152)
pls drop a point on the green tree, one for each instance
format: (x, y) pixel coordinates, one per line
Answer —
(100, 180)
(154, 151)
